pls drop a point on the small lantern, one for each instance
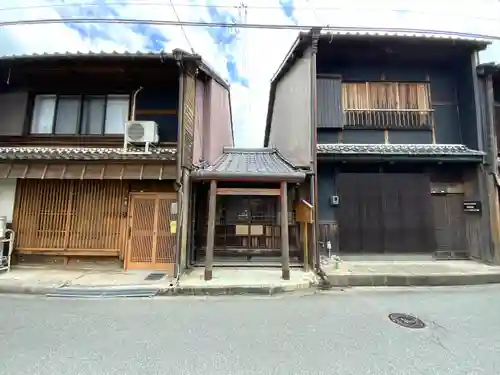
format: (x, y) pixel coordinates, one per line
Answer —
(3, 226)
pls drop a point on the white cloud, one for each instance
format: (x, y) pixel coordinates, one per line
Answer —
(257, 52)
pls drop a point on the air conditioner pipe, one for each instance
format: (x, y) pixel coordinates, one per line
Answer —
(132, 115)
(134, 101)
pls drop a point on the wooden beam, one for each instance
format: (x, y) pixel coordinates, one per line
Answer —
(250, 191)
(285, 247)
(209, 257)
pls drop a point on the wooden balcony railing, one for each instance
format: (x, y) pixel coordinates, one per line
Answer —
(388, 118)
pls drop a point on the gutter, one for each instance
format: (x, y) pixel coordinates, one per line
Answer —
(178, 177)
(315, 33)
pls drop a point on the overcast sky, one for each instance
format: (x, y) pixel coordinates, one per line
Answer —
(247, 58)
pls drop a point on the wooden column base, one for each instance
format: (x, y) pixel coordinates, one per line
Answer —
(285, 274)
(208, 275)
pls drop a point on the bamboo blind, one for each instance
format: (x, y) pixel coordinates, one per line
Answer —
(68, 215)
(386, 104)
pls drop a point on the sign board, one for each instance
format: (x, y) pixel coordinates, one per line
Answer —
(304, 212)
(472, 206)
(173, 226)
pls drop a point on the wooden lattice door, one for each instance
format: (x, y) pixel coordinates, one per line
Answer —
(152, 238)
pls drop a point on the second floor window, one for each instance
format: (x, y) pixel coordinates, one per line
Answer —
(386, 105)
(80, 114)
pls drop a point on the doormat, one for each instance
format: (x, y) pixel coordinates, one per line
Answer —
(155, 276)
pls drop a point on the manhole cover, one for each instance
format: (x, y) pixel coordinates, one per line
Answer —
(407, 321)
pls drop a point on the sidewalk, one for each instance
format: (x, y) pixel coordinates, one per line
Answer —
(116, 283)
(410, 273)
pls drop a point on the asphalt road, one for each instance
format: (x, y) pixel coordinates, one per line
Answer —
(331, 333)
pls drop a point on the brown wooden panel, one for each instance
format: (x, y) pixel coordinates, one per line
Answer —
(93, 171)
(497, 125)
(36, 171)
(18, 171)
(151, 243)
(349, 232)
(54, 171)
(133, 171)
(151, 172)
(385, 213)
(74, 171)
(166, 240)
(168, 171)
(249, 191)
(188, 119)
(74, 217)
(449, 223)
(5, 170)
(114, 171)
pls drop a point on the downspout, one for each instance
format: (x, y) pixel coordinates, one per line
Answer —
(314, 153)
(178, 175)
(491, 165)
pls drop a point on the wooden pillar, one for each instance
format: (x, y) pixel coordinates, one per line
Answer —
(285, 247)
(209, 254)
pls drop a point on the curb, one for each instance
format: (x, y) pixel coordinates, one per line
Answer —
(413, 280)
(235, 290)
(30, 290)
(178, 291)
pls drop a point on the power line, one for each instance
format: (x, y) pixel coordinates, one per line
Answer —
(182, 28)
(227, 6)
(354, 30)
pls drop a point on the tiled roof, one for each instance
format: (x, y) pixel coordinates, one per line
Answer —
(176, 53)
(83, 153)
(399, 149)
(260, 163)
(417, 34)
(303, 41)
(72, 54)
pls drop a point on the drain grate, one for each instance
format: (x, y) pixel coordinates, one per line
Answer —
(103, 292)
(406, 320)
(155, 276)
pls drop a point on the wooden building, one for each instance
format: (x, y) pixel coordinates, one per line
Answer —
(489, 83)
(393, 134)
(72, 188)
(238, 218)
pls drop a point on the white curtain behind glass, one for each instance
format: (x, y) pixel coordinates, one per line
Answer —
(68, 109)
(93, 114)
(117, 111)
(43, 114)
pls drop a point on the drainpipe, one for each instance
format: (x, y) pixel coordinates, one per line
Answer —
(315, 32)
(178, 177)
(134, 102)
(491, 167)
(132, 115)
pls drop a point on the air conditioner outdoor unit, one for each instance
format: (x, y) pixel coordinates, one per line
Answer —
(141, 132)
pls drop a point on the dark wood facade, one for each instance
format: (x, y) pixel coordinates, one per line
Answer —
(401, 209)
(384, 213)
(390, 117)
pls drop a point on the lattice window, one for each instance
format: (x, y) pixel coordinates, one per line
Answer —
(387, 105)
